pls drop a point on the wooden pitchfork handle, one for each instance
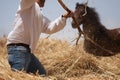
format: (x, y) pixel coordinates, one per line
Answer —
(64, 6)
(68, 10)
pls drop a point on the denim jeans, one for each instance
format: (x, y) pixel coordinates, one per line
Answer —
(20, 58)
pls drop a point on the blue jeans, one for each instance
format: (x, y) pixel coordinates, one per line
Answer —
(20, 58)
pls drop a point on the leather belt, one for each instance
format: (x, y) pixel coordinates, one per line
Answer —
(19, 44)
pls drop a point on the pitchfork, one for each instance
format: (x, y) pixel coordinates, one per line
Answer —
(68, 10)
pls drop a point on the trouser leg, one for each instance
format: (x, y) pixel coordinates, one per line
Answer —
(18, 58)
(36, 66)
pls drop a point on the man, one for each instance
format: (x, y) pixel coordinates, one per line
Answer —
(28, 25)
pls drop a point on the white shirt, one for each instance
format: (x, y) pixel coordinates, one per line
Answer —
(30, 23)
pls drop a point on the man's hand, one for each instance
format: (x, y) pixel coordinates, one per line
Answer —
(68, 14)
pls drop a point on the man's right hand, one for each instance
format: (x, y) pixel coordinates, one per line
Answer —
(68, 14)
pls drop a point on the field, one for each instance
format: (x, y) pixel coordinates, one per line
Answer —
(64, 61)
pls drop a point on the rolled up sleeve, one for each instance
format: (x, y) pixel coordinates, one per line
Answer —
(54, 26)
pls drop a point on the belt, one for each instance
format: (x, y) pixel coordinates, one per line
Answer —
(19, 44)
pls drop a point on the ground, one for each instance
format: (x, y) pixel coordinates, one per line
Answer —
(64, 61)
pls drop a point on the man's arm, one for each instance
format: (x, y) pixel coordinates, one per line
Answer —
(54, 26)
(25, 4)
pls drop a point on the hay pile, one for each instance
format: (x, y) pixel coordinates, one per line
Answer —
(64, 61)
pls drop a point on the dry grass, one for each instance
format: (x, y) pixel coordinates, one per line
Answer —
(64, 61)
